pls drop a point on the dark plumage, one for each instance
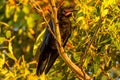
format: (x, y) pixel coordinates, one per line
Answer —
(48, 49)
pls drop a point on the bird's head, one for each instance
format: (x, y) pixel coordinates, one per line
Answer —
(65, 11)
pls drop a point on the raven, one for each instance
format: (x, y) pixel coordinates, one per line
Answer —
(48, 48)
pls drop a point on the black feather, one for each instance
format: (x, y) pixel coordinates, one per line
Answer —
(48, 49)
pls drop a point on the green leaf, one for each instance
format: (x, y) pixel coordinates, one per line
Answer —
(85, 64)
(80, 14)
(38, 41)
(10, 47)
(96, 64)
(2, 59)
(30, 21)
(26, 9)
(104, 12)
(2, 39)
(104, 77)
(8, 34)
(10, 55)
(9, 10)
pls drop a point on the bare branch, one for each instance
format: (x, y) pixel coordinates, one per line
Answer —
(62, 54)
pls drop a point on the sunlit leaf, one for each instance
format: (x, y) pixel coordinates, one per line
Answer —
(32, 77)
(86, 61)
(38, 41)
(106, 3)
(30, 35)
(26, 9)
(15, 17)
(11, 56)
(2, 59)
(8, 34)
(27, 71)
(104, 12)
(76, 56)
(30, 21)
(9, 10)
(42, 77)
(10, 47)
(98, 71)
(2, 39)
(96, 64)
(116, 42)
(104, 78)
(4, 71)
(20, 31)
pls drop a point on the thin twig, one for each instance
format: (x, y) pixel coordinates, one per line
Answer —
(93, 38)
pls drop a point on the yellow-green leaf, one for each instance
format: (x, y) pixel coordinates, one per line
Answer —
(38, 41)
(8, 34)
(2, 59)
(10, 55)
(104, 12)
(2, 39)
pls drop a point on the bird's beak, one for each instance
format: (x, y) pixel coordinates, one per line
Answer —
(68, 12)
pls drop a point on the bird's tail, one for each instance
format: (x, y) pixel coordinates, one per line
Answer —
(51, 61)
(41, 65)
(44, 65)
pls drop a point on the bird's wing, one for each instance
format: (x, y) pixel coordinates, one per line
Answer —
(44, 50)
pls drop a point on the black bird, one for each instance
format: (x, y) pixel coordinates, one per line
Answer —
(48, 49)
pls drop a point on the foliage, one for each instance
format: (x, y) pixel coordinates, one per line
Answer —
(96, 21)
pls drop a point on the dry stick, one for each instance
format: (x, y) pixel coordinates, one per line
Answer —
(62, 54)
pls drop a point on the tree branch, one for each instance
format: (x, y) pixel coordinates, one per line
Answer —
(67, 60)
